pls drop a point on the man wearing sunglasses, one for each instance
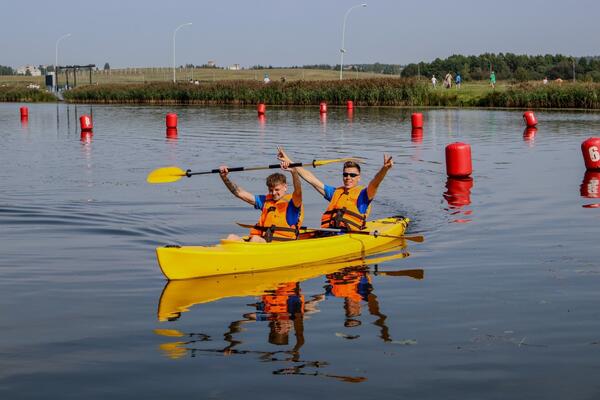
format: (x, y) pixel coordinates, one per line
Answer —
(349, 204)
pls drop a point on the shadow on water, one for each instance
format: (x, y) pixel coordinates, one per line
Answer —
(282, 304)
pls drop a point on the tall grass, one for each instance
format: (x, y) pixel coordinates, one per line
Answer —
(565, 95)
(22, 94)
(371, 92)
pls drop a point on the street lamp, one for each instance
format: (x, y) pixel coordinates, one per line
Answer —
(56, 56)
(343, 50)
(174, 33)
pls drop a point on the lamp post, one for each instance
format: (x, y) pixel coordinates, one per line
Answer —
(342, 49)
(56, 57)
(174, 33)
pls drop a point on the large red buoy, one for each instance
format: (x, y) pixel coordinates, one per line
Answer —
(458, 193)
(417, 120)
(350, 105)
(261, 108)
(416, 135)
(171, 120)
(591, 153)
(323, 107)
(590, 187)
(24, 113)
(458, 160)
(86, 123)
(530, 119)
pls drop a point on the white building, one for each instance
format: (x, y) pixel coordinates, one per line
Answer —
(33, 70)
(235, 67)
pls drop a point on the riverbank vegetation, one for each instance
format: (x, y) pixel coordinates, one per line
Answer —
(24, 94)
(369, 92)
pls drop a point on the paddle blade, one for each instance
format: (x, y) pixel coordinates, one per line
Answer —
(318, 163)
(165, 175)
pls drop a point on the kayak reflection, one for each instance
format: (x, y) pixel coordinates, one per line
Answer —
(280, 303)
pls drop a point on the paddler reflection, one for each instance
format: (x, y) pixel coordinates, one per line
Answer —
(283, 307)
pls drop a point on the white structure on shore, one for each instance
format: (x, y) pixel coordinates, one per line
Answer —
(33, 70)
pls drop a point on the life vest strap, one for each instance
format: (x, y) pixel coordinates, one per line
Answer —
(336, 218)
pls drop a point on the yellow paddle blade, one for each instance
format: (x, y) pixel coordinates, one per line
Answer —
(318, 163)
(165, 175)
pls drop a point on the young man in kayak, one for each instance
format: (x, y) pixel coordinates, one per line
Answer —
(282, 213)
(349, 204)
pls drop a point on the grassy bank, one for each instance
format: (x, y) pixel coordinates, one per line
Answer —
(371, 92)
(528, 95)
(23, 94)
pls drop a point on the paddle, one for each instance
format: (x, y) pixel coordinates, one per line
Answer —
(173, 174)
(374, 233)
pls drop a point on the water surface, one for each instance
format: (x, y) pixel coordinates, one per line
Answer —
(506, 307)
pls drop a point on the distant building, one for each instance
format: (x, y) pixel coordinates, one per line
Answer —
(235, 67)
(211, 63)
(33, 70)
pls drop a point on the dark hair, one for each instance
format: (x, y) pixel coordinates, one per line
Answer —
(276, 179)
(351, 164)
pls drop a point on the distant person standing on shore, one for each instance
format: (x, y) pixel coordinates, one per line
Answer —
(458, 80)
(545, 81)
(433, 81)
(493, 80)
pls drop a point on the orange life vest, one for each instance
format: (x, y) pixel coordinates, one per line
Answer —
(343, 212)
(346, 286)
(272, 224)
(277, 303)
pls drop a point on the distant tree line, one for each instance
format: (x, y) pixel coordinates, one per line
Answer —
(6, 70)
(378, 68)
(508, 66)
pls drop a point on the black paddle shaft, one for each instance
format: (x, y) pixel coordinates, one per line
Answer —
(189, 172)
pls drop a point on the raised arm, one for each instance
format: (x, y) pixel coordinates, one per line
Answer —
(304, 173)
(236, 190)
(388, 163)
(297, 195)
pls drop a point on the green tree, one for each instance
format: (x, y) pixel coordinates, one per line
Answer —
(106, 66)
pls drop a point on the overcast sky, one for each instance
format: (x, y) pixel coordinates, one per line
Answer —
(129, 33)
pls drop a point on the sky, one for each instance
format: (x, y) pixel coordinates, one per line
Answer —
(136, 33)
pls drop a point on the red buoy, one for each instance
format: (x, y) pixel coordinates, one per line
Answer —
(530, 119)
(458, 160)
(417, 120)
(458, 193)
(261, 108)
(350, 105)
(590, 187)
(591, 153)
(171, 120)
(172, 133)
(529, 133)
(323, 107)
(24, 113)
(86, 123)
(416, 135)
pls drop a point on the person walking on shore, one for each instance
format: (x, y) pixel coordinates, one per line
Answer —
(493, 80)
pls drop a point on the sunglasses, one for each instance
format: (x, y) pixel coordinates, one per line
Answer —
(349, 174)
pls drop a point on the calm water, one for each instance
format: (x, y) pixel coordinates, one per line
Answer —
(507, 307)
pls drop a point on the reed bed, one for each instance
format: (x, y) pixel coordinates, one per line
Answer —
(565, 95)
(369, 92)
(22, 94)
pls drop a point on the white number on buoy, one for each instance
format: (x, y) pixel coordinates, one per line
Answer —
(87, 120)
(594, 153)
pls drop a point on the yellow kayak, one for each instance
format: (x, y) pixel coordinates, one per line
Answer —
(178, 296)
(233, 257)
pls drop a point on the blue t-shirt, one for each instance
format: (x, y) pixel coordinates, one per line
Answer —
(363, 198)
(292, 214)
